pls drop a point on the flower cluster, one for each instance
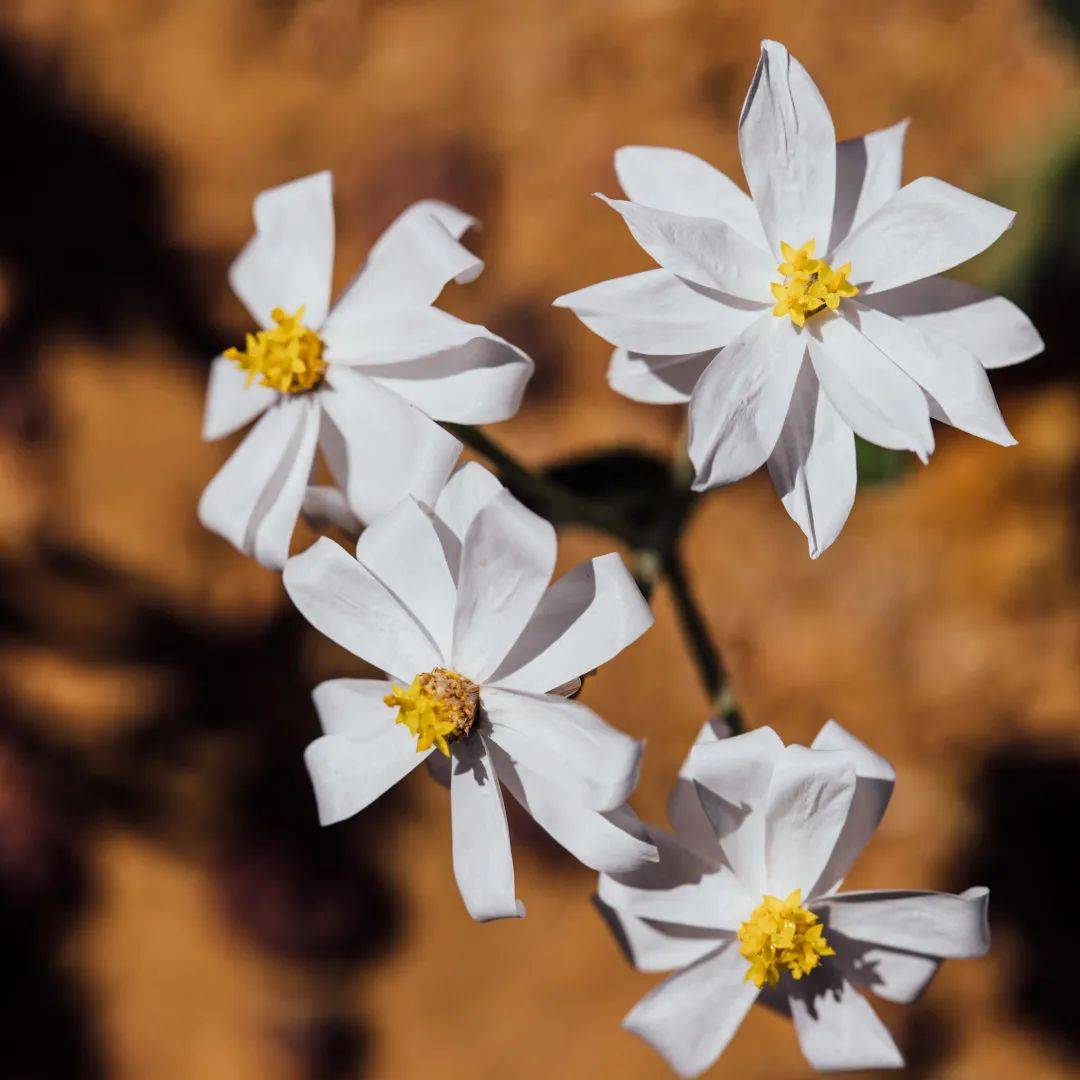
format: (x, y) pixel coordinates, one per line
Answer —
(449, 592)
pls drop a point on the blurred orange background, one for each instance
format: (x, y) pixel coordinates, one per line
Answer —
(169, 907)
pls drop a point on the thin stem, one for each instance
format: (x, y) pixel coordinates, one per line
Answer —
(706, 655)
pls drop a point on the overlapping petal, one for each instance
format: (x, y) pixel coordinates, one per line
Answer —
(868, 174)
(230, 402)
(657, 313)
(656, 380)
(739, 404)
(813, 463)
(788, 148)
(289, 261)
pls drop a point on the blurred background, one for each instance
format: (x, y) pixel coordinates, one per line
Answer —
(169, 907)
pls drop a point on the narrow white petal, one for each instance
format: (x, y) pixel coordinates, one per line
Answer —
(733, 778)
(928, 226)
(411, 262)
(289, 261)
(873, 396)
(402, 549)
(788, 148)
(230, 402)
(657, 313)
(237, 499)
(956, 383)
(565, 743)
(874, 779)
(584, 619)
(838, 1028)
(684, 809)
(507, 558)
(280, 506)
(349, 774)
(347, 603)
(993, 328)
(813, 463)
(680, 888)
(691, 1016)
(354, 707)
(891, 974)
(380, 447)
(656, 380)
(809, 799)
(658, 946)
(615, 842)
(466, 493)
(703, 250)
(932, 923)
(483, 862)
(738, 406)
(868, 174)
(669, 179)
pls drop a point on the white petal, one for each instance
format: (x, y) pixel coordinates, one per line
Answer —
(875, 398)
(289, 261)
(668, 179)
(691, 1016)
(684, 809)
(932, 923)
(656, 380)
(254, 500)
(483, 863)
(868, 174)
(813, 463)
(874, 779)
(402, 549)
(788, 148)
(466, 493)
(348, 775)
(993, 328)
(451, 369)
(738, 407)
(928, 226)
(702, 249)
(507, 558)
(733, 778)
(411, 262)
(565, 743)
(838, 1028)
(891, 974)
(347, 603)
(658, 946)
(588, 616)
(810, 795)
(354, 707)
(681, 889)
(230, 402)
(383, 447)
(658, 313)
(953, 378)
(325, 505)
(615, 842)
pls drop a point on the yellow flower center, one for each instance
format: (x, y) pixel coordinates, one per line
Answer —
(287, 358)
(781, 934)
(438, 707)
(810, 285)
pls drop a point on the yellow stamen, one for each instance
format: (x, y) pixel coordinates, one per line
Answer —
(287, 358)
(810, 285)
(438, 707)
(781, 934)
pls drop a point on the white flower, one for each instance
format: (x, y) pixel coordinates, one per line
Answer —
(744, 901)
(456, 608)
(814, 348)
(361, 380)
